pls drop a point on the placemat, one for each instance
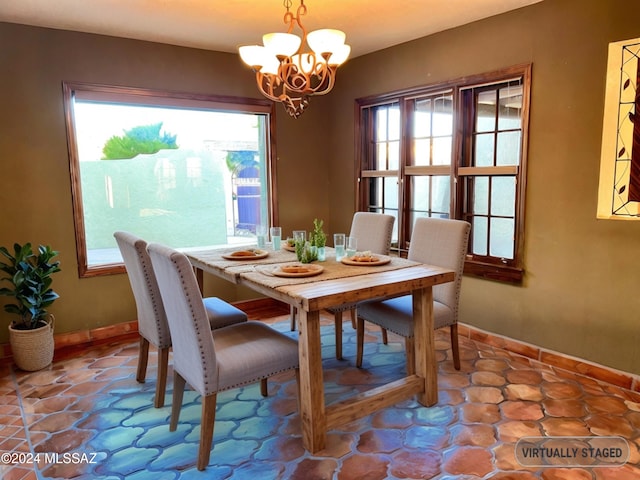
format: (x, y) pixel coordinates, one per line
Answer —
(332, 270)
(213, 257)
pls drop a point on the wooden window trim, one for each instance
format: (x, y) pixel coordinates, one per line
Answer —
(490, 268)
(155, 97)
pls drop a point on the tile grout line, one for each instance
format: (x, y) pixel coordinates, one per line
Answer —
(23, 415)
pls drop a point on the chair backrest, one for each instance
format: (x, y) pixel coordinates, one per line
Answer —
(194, 355)
(373, 231)
(152, 320)
(443, 243)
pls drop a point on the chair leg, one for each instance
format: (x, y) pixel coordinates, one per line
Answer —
(292, 314)
(338, 332)
(161, 383)
(264, 390)
(354, 315)
(455, 347)
(411, 355)
(178, 394)
(359, 341)
(143, 357)
(206, 430)
(385, 337)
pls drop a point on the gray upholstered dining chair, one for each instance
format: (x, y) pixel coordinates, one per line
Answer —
(434, 241)
(211, 361)
(373, 231)
(152, 320)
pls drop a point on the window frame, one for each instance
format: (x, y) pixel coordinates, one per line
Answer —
(487, 267)
(491, 267)
(166, 98)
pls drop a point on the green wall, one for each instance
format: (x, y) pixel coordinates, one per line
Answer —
(135, 188)
(579, 296)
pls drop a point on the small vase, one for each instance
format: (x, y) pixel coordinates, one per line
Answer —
(321, 254)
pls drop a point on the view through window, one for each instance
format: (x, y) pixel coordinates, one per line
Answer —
(177, 170)
(454, 150)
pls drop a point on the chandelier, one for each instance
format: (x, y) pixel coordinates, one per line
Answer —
(290, 69)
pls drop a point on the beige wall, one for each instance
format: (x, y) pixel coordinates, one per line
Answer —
(579, 295)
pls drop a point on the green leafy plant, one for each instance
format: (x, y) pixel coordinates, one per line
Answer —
(305, 252)
(30, 277)
(318, 237)
(145, 139)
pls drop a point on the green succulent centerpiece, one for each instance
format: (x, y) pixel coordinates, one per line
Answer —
(29, 275)
(305, 252)
(308, 251)
(318, 237)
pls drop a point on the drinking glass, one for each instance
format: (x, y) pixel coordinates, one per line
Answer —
(276, 235)
(261, 235)
(299, 240)
(352, 246)
(338, 244)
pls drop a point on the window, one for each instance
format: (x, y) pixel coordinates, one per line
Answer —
(381, 169)
(181, 169)
(491, 176)
(455, 150)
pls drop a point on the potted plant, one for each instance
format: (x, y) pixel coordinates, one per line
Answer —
(29, 274)
(319, 238)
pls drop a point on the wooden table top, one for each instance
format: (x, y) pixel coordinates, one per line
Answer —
(337, 285)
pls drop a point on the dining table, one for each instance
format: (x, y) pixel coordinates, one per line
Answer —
(335, 285)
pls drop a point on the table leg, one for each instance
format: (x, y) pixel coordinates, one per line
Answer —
(200, 278)
(425, 349)
(312, 408)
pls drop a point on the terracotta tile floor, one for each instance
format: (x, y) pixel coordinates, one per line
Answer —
(89, 407)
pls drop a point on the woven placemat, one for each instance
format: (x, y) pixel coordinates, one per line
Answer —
(214, 257)
(332, 270)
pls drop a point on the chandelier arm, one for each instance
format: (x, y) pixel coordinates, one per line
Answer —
(318, 81)
(266, 85)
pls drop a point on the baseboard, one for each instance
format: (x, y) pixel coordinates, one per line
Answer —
(592, 370)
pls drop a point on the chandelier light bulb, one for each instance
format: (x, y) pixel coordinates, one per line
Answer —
(326, 40)
(258, 57)
(339, 56)
(282, 44)
(252, 55)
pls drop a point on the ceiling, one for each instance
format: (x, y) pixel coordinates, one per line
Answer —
(223, 25)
